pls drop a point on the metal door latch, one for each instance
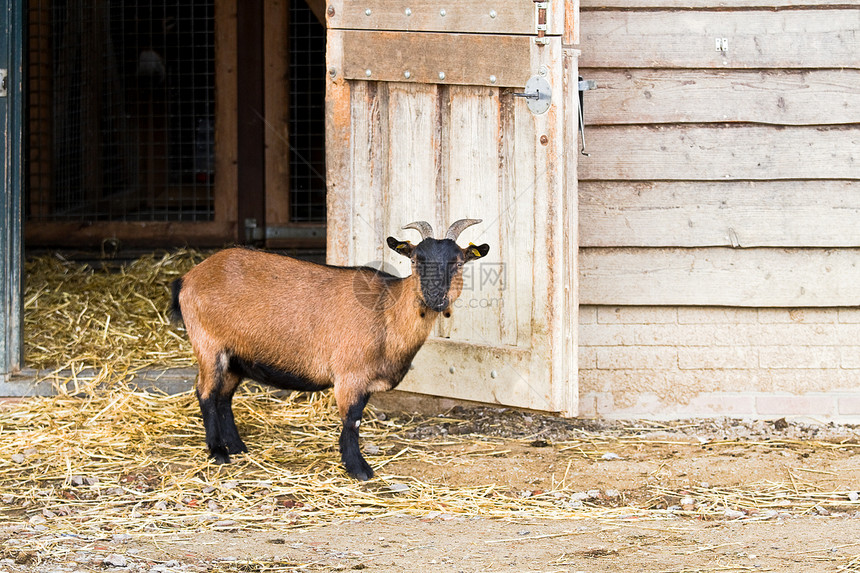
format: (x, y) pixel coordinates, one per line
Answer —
(583, 86)
(3, 75)
(538, 95)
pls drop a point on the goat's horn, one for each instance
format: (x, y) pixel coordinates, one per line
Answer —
(422, 227)
(457, 227)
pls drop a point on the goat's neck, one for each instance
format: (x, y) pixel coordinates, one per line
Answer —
(407, 318)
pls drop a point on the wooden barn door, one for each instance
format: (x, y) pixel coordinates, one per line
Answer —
(424, 123)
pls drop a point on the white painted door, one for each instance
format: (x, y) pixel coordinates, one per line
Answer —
(423, 124)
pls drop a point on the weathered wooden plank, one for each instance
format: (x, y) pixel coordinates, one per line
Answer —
(431, 58)
(497, 17)
(369, 171)
(147, 234)
(721, 153)
(477, 372)
(413, 157)
(510, 16)
(712, 4)
(338, 142)
(720, 277)
(705, 214)
(473, 174)
(779, 97)
(756, 39)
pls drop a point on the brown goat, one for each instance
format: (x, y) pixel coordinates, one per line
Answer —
(298, 325)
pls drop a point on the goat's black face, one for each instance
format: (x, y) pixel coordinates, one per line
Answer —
(439, 266)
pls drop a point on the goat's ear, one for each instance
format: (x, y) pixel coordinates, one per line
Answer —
(473, 251)
(404, 248)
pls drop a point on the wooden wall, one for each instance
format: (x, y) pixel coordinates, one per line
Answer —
(725, 178)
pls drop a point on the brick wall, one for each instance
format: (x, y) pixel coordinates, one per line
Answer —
(676, 362)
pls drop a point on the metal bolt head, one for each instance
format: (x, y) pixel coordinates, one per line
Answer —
(441, 75)
(408, 11)
(330, 11)
(407, 74)
(494, 374)
(367, 12)
(332, 72)
(442, 12)
(367, 72)
(543, 70)
(492, 79)
(452, 369)
(492, 13)
(544, 140)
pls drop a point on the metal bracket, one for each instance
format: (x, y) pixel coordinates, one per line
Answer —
(583, 86)
(538, 95)
(3, 75)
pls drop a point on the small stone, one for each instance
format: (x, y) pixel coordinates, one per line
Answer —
(371, 449)
(8, 498)
(161, 505)
(30, 451)
(18, 458)
(612, 493)
(397, 487)
(610, 456)
(229, 484)
(687, 500)
(733, 514)
(593, 493)
(91, 480)
(77, 480)
(224, 523)
(853, 496)
(116, 560)
(121, 538)
(579, 496)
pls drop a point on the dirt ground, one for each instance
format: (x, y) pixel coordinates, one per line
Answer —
(719, 495)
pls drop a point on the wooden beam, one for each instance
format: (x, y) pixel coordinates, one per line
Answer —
(756, 39)
(471, 59)
(721, 153)
(730, 214)
(276, 54)
(779, 97)
(720, 277)
(226, 149)
(142, 234)
(498, 17)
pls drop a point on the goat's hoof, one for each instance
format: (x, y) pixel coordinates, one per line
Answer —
(237, 448)
(362, 472)
(220, 455)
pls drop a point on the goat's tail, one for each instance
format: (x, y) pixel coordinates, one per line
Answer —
(175, 309)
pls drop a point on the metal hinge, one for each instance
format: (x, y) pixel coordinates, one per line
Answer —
(3, 75)
(541, 8)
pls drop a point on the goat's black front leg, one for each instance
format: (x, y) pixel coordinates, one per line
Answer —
(212, 424)
(351, 408)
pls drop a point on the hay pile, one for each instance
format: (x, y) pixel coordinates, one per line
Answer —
(125, 461)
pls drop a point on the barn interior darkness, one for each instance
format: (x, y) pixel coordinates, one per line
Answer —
(122, 115)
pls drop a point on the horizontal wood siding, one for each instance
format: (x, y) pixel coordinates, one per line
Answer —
(727, 178)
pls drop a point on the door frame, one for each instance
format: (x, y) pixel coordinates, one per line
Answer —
(11, 213)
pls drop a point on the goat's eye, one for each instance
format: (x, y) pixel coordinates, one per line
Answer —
(459, 264)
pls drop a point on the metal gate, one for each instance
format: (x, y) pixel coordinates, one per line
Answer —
(425, 122)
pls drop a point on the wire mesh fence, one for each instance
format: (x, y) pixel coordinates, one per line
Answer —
(307, 115)
(121, 110)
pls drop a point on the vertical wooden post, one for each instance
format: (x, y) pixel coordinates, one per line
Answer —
(226, 151)
(250, 117)
(277, 95)
(11, 212)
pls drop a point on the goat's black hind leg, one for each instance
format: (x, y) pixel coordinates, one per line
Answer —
(350, 453)
(212, 424)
